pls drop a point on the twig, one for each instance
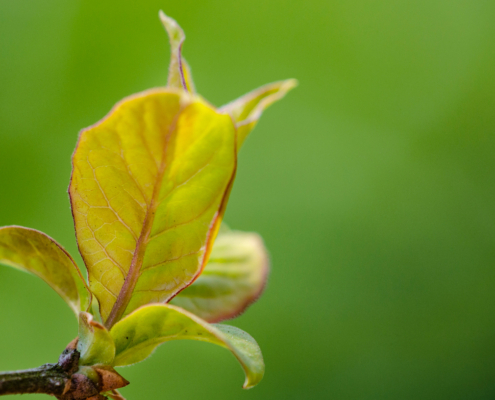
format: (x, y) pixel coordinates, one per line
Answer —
(60, 380)
(50, 379)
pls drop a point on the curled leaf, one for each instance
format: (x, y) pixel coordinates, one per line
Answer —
(137, 336)
(247, 110)
(149, 186)
(232, 280)
(95, 344)
(32, 251)
(179, 72)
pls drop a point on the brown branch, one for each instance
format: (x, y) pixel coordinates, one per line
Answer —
(49, 378)
(60, 380)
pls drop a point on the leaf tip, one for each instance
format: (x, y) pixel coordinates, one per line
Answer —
(290, 84)
(179, 71)
(175, 32)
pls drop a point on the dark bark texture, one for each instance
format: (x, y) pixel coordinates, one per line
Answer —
(49, 379)
(59, 380)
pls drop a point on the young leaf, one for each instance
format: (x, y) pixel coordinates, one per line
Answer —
(32, 251)
(95, 343)
(137, 336)
(179, 72)
(247, 110)
(231, 281)
(149, 186)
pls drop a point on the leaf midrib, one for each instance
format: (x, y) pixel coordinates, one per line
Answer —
(131, 279)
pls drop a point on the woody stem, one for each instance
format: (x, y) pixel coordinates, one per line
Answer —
(49, 378)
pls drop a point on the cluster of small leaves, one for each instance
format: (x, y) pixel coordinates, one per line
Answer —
(148, 191)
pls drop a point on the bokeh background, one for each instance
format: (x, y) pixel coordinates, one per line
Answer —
(373, 184)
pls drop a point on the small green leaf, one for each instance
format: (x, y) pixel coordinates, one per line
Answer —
(95, 343)
(232, 280)
(32, 251)
(137, 336)
(179, 72)
(247, 110)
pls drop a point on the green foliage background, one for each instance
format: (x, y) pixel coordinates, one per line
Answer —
(372, 184)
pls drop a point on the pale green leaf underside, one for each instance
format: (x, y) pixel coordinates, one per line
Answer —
(233, 278)
(95, 344)
(32, 251)
(148, 185)
(137, 336)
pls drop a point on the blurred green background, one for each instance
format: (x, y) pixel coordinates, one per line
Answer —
(373, 184)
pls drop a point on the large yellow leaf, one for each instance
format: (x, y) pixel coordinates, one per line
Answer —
(148, 188)
(32, 251)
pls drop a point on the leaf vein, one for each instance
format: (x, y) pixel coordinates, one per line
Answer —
(108, 202)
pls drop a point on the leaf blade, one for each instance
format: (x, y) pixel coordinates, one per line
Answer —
(33, 251)
(148, 185)
(137, 336)
(233, 279)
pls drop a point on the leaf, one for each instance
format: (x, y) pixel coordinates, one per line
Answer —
(32, 251)
(247, 110)
(137, 336)
(231, 281)
(149, 186)
(179, 72)
(95, 343)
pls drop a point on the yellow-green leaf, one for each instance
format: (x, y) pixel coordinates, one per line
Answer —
(247, 110)
(95, 343)
(179, 72)
(232, 280)
(137, 336)
(149, 186)
(32, 251)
